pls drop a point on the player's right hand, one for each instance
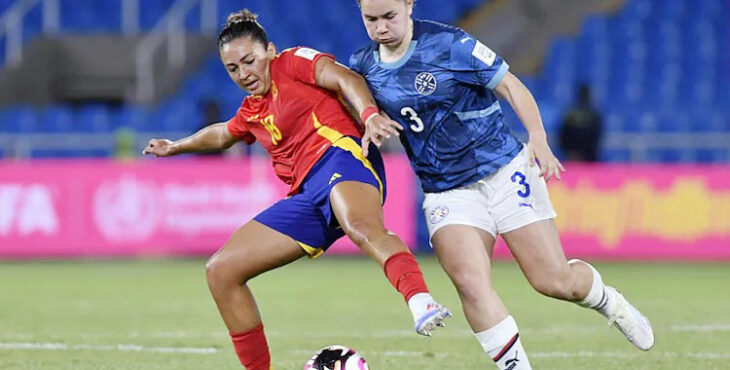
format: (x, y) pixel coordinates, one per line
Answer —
(377, 129)
(159, 148)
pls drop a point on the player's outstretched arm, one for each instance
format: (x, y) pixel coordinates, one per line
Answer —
(521, 100)
(212, 137)
(336, 77)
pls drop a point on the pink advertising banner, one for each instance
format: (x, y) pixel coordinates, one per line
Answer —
(190, 206)
(643, 212)
(68, 208)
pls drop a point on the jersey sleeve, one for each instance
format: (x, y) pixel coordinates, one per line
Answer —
(237, 128)
(476, 64)
(354, 63)
(299, 63)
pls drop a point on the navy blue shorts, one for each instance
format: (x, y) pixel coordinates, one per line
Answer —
(307, 216)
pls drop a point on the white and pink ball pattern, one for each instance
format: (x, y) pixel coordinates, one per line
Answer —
(336, 358)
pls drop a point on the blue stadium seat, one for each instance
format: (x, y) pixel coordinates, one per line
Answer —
(669, 155)
(600, 94)
(711, 155)
(706, 120)
(440, 11)
(58, 118)
(178, 116)
(613, 121)
(615, 155)
(637, 9)
(633, 118)
(51, 153)
(94, 118)
(560, 72)
(551, 115)
(592, 60)
(136, 118)
(91, 16)
(678, 121)
(706, 9)
(18, 119)
(150, 12)
(287, 11)
(4, 5)
(32, 24)
(672, 9)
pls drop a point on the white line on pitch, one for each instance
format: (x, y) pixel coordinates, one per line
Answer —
(619, 354)
(211, 350)
(111, 347)
(556, 354)
(703, 327)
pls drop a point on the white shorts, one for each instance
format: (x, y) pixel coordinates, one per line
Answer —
(506, 200)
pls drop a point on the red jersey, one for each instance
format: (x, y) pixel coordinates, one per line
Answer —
(296, 121)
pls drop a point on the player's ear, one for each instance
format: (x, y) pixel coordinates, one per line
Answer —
(271, 50)
(409, 6)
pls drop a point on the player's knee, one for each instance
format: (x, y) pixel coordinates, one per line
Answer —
(220, 272)
(214, 270)
(471, 288)
(556, 285)
(361, 230)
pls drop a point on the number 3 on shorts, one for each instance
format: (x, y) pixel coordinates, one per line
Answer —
(519, 178)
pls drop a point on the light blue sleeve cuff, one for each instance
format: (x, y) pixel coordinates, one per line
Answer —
(497, 78)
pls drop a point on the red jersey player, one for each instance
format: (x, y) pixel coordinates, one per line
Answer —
(294, 111)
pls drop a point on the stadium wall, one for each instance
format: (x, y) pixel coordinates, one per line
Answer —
(189, 206)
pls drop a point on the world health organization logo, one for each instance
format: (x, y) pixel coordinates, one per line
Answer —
(425, 83)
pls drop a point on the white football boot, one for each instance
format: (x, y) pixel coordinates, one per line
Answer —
(630, 322)
(433, 317)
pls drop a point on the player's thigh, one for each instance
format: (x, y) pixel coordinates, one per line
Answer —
(355, 202)
(357, 208)
(465, 253)
(538, 251)
(355, 187)
(253, 249)
(464, 206)
(356, 196)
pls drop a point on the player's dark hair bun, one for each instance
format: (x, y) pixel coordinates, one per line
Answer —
(244, 15)
(243, 23)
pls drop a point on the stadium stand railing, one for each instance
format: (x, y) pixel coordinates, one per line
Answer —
(169, 31)
(14, 25)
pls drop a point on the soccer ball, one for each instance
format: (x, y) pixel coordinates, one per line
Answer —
(336, 358)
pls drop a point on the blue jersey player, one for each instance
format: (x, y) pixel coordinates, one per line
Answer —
(440, 86)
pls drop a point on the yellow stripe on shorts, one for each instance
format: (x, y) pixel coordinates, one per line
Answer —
(347, 143)
(311, 251)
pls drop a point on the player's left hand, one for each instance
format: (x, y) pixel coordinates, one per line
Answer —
(539, 152)
(377, 129)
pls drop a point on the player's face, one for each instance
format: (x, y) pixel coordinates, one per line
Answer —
(247, 62)
(386, 20)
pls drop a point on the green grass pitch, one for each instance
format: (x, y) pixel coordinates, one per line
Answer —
(158, 315)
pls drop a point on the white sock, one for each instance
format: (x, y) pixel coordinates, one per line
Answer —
(419, 304)
(502, 343)
(599, 298)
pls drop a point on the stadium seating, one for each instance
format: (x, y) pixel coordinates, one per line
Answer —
(655, 66)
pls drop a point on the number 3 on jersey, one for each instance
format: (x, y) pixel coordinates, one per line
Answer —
(413, 116)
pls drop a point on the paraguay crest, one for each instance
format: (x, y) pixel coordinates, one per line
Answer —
(425, 83)
(438, 214)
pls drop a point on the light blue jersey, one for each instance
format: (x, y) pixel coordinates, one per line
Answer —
(441, 92)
